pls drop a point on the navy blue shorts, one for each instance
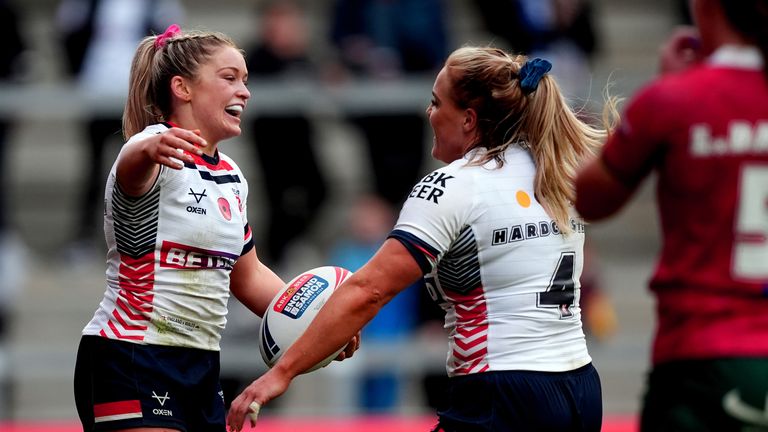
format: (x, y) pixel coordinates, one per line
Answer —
(120, 385)
(524, 401)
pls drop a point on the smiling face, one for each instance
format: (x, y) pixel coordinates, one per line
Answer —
(451, 124)
(215, 99)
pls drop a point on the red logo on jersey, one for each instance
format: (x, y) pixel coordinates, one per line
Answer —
(176, 255)
(224, 207)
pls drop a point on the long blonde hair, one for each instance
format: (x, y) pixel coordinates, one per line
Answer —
(153, 66)
(487, 80)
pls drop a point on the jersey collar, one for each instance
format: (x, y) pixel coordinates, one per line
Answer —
(736, 56)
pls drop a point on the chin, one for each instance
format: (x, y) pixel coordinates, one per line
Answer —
(435, 154)
(232, 132)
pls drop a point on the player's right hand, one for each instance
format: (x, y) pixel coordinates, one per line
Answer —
(173, 146)
(682, 50)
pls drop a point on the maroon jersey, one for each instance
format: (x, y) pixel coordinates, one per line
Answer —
(705, 133)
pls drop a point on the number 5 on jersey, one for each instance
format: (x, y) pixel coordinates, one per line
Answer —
(750, 251)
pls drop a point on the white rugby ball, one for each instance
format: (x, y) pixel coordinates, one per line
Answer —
(294, 308)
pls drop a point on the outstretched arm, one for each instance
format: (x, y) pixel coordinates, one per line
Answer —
(350, 307)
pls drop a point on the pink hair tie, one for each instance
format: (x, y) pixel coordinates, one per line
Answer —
(170, 32)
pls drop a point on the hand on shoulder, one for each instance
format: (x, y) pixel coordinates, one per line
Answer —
(681, 50)
(164, 148)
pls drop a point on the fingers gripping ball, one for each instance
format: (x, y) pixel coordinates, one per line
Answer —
(294, 308)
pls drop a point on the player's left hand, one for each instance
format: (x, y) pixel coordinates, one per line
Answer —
(267, 387)
(351, 347)
(682, 50)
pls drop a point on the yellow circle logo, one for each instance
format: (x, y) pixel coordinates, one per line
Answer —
(523, 199)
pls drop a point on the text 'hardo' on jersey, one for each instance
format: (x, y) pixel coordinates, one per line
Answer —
(431, 187)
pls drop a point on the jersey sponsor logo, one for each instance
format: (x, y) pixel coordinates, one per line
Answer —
(300, 295)
(179, 256)
(198, 196)
(196, 210)
(431, 187)
(743, 137)
(734, 406)
(529, 231)
(160, 399)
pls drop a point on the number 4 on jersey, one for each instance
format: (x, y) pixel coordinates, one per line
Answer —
(561, 292)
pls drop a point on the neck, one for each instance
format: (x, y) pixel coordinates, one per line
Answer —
(718, 31)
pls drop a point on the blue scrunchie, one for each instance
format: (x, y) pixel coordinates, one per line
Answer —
(531, 72)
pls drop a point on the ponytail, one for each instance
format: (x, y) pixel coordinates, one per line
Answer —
(139, 107)
(519, 103)
(559, 143)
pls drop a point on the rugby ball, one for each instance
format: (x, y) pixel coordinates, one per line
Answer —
(294, 308)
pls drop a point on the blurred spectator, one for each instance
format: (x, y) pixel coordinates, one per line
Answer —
(390, 39)
(294, 192)
(562, 31)
(12, 260)
(369, 221)
(99, 38)
(11, 247)
(600, 321)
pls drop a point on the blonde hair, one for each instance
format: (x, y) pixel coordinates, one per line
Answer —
(487, 80)
(154, 64)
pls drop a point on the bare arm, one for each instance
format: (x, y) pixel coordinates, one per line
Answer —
(139, 161)
(598, 193)
(350, 307)
(253, 283)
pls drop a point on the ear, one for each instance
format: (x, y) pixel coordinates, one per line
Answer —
(180, 88)
(470, 120)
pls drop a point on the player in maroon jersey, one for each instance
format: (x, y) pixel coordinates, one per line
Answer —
(702, 127)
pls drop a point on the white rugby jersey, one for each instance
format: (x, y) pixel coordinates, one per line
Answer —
(498, 265)
(170, 254)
